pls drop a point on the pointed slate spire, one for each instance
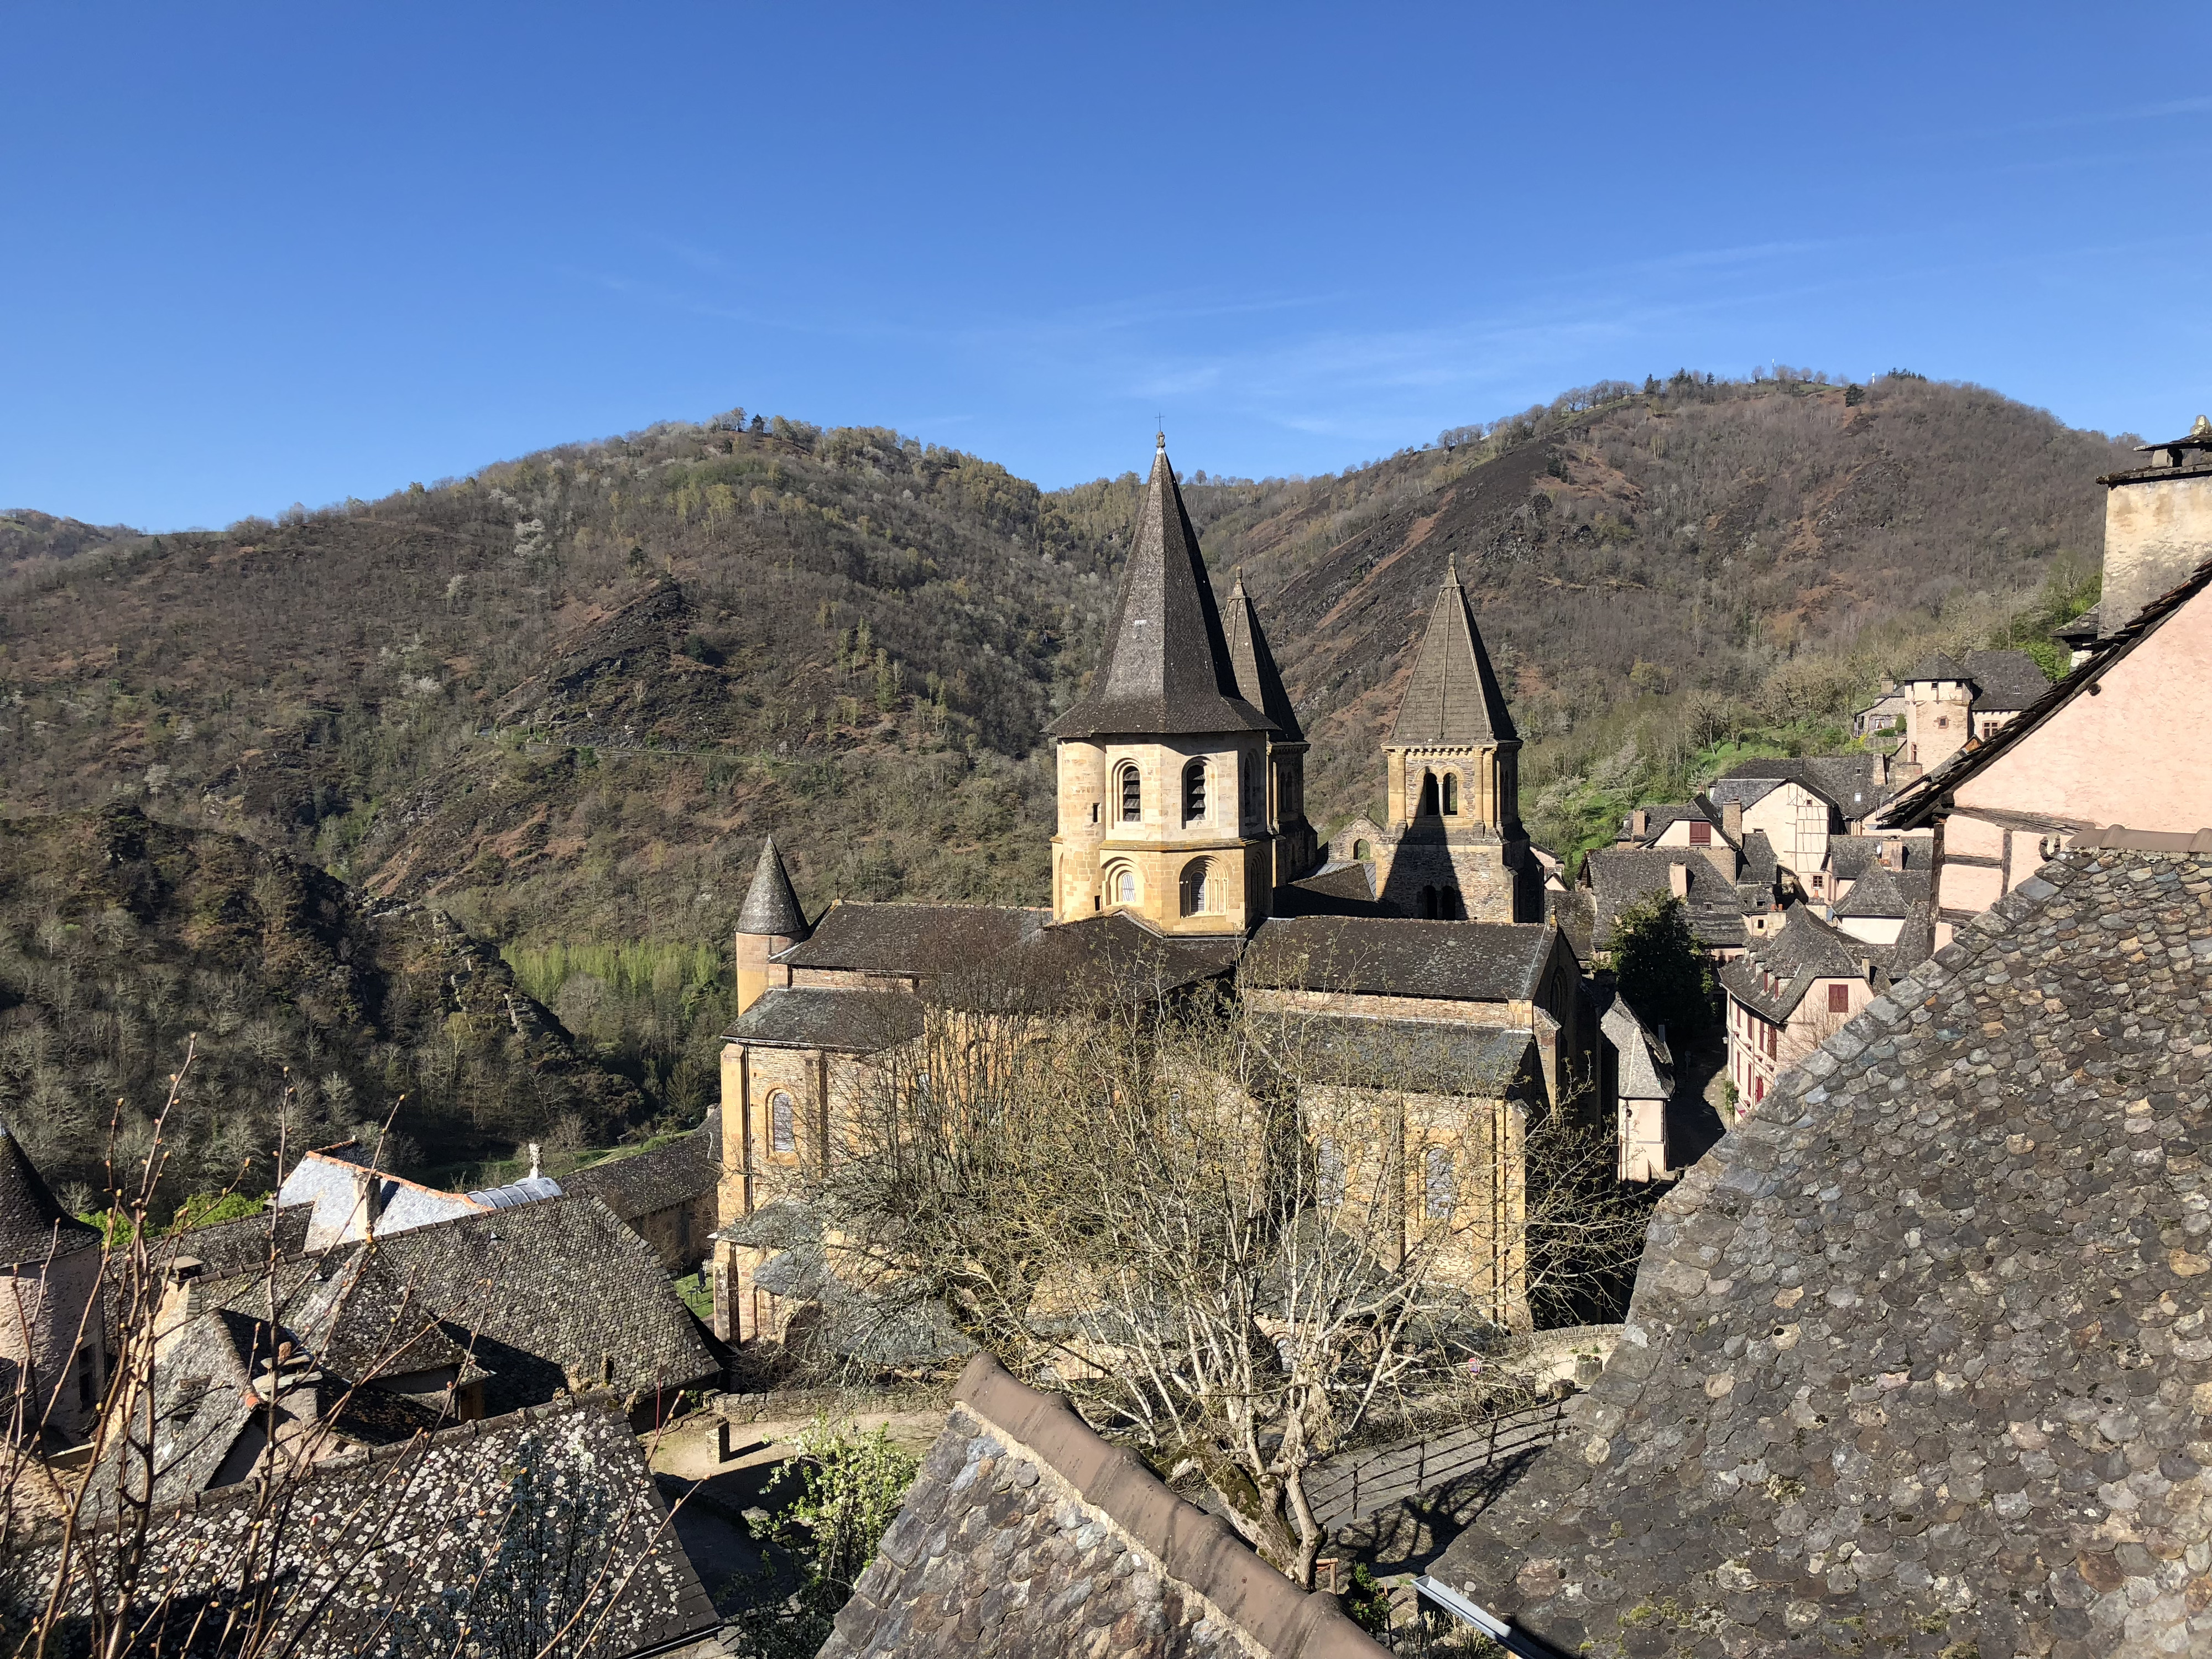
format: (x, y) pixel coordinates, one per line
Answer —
(1166, 667)
(1453, 696)
(771, 908)
(33, 1223)
(1257, 680)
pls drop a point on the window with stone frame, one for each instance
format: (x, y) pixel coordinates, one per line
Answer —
(1194, 791)
(782, 1123)
(1440, 1186)
(1133, 795)
(1451, 794)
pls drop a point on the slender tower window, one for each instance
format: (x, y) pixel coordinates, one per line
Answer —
(782, 1126)
(1194, 791)
(1451, 794)
(1443, 1190)
(1133, 795)
(1428, 807)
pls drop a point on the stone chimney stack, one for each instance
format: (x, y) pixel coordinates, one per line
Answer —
(367, 1203)
(1639, 824)
(1678, 880)
(1732, 820)
(2158, 524)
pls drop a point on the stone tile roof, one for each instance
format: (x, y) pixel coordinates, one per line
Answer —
(33, 1226)
(1027, 1534)
(771, 906)
(1918, 1356)
(247, 1244)
(1166, 667)
(1258, 680)
(1647, 1064)
(1099, 959)
(2003, 680)
(1469, 961)
(1619, 877)
(851, 1021)
(552, 1296)
(1452, 695)
(1346, 889)
(687, 1167)
(372, 1547)
(1802, 951)
(2083, 629)
(1849, 783)
(911, 940)
(1883, 892)
(1920, 802)
(1435, 1056)
(329, 1181)
(1850, 857)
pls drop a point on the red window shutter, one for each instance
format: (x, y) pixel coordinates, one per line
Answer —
(1840, 998)
(1701, 834)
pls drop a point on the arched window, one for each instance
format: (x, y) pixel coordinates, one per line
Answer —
(1120, 885)
(782, 1123)
(1451, 794)
(1362, 852)
(1328, 1172)
(1133, 795)
(1428, 904)
(1194, 791)
(1198, 895)
(1449, 906)
(1428, 806)
(1440, 1189)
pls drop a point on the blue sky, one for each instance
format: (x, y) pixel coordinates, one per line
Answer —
(261, 255)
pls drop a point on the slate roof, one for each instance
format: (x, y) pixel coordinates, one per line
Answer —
(1849, 783)
(687, 1167)
(1920, 801)
(1452, 696)
(552, 1296)
(911, 940)
(1802, 951)
(1258, 681)
(1470, 960)
(2083, 629)
(2003, 680)
(1850, 857)
(1166, 667)
(1619, 877)
(328, 1180)
(1646, 1064)
(1346, 889)
(850, 1022)
(376, 1546)
(1104, 958)
(1431, 1056)
(1883, 892)
(243, 1245)
(1918, 1357)
(771, 907)
(1658, 820)
(33, 1223)
(1025, 1533)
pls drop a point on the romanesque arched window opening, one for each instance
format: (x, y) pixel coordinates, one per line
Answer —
(1120, 885)
(1448, 907)
(1361, 852)
(1133, 795)
(1428, 807)
(782, 1123)
(1198, 888)
(1194, 791)
(1451, 794)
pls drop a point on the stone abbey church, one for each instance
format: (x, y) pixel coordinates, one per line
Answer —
(1183, 855)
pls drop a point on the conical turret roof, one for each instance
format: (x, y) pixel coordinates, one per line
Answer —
(1257, 680)
(771, 908)
(1166, 666)
(1453, 697)
(33, 1223)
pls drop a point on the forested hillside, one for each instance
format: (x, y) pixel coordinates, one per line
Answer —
(561, 700)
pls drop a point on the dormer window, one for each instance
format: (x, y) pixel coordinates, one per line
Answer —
(1194, 791)
(1133, 795)
(1701, 833)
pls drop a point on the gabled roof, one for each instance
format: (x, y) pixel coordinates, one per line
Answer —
(2083, 629)
(1345, 889)
(1919, 802)
(1647, 1064)
(428, 1514)
(856, 1021)
(33, 1223)
(911, 940)
(1881, 892)
(1257, 680)
(1166, 667)
(1850, 857)
(1112, 958)
(2003, 680)
(1461, 961)
(1911, 1358)
(1802, 952)
(771, 907)
(1618, 877)
(1849, 783)
(1452, 697)
(687, 1167)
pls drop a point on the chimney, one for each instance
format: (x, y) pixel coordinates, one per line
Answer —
(533, 1160)
(367, 1203)
(1732, 820)
(176, 1304)
(1640, 823)
(1678, 880)
(2158, 524)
